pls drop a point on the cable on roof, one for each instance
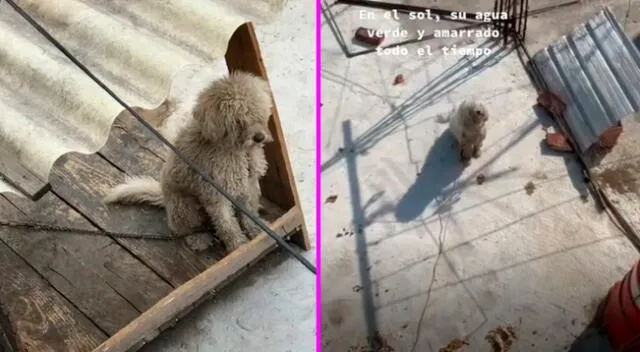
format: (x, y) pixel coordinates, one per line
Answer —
(282, 243)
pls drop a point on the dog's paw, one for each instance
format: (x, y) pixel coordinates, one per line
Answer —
(465, 160)
(465, 157)
(477, 153)
(231, 244)
(252, 229)
(199, 242)
(253, 232)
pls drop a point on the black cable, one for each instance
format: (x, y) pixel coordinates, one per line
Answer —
(191, 164)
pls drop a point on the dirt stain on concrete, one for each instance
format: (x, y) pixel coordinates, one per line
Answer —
(335, 310)
(621, 178)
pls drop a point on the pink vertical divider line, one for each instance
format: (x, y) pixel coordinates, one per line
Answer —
(318, 184)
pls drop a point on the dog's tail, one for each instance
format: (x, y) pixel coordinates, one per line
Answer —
(136, 190)
(443, 118)
(446, 117)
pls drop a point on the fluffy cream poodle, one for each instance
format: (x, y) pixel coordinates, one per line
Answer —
(226, 138)
(468, 125)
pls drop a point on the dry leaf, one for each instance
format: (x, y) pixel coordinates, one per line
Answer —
(331, 199)
(501, 339)
(456, 345)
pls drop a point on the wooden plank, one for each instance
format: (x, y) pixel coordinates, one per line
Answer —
(243, 54)
(278, 185)
(157, 116)
(128, 137)
(83, 180)
(148, 325)
(21, 178)
(40, 318)
(7, 337)
(121, 268)
(129, 132)
(131, 149)
(97, 274)
(270, 211)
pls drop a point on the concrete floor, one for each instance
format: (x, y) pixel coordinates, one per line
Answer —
(412, 246)
(271, 308)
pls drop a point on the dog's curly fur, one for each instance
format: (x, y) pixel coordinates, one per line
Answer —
(225, 138)
(468, 125)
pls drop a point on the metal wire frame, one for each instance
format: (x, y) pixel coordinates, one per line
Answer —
(516, 24)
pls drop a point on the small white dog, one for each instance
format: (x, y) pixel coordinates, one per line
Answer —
(225, 137)
(468, 125)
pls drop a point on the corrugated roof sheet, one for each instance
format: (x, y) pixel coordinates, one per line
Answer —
(596, 71)
(137, 47)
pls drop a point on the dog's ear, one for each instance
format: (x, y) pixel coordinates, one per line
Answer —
(228, 108)
(205, 113)
(264, 98)
(264, 87)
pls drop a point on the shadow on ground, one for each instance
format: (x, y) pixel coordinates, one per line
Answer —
(441, 168)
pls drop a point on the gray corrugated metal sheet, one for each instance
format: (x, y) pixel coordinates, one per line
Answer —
(137, 47)
(596, 71)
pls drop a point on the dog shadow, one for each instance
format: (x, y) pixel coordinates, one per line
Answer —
(442, 167)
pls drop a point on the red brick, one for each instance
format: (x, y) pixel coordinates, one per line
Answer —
(363, 35)
(558, 142)
(610, 137)
(552, 103)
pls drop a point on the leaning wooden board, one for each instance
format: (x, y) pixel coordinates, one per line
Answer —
(278, 185)
(75, 292)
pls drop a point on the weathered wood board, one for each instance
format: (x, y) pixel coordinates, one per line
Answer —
(39, 316)
(278, 185)
(94, 272)
(21, 178)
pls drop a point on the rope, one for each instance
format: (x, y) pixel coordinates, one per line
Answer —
(190, 163)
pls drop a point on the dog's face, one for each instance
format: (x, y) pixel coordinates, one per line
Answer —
(235, 110)
(254, 131)
(478, 112)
